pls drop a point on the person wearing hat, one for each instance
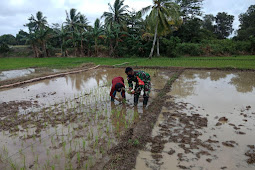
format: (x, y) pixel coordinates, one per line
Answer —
(117, 86)
(143, 82)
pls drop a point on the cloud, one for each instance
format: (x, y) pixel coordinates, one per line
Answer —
(14, 13)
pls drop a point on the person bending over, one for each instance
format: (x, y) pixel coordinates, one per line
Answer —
(117, 86)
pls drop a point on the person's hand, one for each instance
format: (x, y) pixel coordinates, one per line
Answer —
(132, 92)
(119, 99)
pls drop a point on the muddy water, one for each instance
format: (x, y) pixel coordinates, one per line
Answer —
(58, 89)
(71, 122)
(12, 74)
(208, 122)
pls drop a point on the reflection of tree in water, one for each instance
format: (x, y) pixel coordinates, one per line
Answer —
(203, 74)
(217, 75)
(81, 79)
(183, 87)
(213, 75)
(189, 75)
(104, 77)
(244, 82)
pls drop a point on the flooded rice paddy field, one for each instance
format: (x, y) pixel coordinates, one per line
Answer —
(13, 74)
(67, 122)
(207, 122)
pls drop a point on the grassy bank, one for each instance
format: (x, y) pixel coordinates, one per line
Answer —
(241, 62)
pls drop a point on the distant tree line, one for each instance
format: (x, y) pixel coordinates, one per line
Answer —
(166, 27)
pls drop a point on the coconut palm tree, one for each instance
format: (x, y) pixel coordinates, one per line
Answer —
(38, 22)
(39, 33)
(82, 27)
(96, 31)
(32, 39)
(117, 14)
(62, 34)
(135, 21)
(71, 24)
(43, 35)
(163, 13)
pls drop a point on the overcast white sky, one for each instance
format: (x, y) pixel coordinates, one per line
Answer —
(14, 13)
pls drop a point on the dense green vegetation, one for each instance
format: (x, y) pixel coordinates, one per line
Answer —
(171, 27)
(242, 62)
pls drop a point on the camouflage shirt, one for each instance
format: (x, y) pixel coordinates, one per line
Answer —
(145, 77)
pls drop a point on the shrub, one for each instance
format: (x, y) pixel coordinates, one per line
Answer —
(192, 49)
(4, 48)
(170, 46)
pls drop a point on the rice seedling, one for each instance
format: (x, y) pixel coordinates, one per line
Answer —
(24, 161)
(64, 147)
(13, 166)
(32, 148)
(83, 144)
(78, 157)
(48, 152)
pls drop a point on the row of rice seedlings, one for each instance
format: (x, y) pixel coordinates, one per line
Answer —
(51, 112)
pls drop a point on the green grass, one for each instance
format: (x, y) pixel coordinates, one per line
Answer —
(241, 62)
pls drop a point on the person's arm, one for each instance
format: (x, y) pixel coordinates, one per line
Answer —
(130, 83)
(123, 93)
(111, 92)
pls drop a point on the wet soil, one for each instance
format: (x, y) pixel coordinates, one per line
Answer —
(69, 127)
(203, 124)
(251, 154)
(181, 128)
(123, 156)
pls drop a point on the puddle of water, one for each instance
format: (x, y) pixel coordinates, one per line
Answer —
(214, 95)
(11, 74)
(74, 112)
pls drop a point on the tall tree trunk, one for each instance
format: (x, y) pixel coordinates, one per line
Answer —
(61, 50)
(74, 47)
(96, 52)
(35, 53)
(74, 44)
(82, 54)
(154, 41)
(158, 47)
(111, 49)
(44, 49)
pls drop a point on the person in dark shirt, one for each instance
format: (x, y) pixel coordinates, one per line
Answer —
(142, 82)
(117, 86)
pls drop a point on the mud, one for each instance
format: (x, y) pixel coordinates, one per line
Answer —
(75, 123)
(123, 156)
(251, 154)
(76, 126)
(202, 121)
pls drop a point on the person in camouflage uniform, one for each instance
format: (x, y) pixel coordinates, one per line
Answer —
(142, 82)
